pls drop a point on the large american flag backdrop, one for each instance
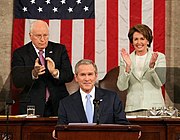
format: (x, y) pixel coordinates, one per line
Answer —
(91, 29)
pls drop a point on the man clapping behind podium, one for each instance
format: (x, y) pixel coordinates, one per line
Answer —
(41, 68)
(75, 108)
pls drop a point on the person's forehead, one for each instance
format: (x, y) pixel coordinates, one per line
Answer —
(40, 27)
(86, 68)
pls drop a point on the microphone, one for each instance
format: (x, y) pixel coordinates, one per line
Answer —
(96, 103)
(10, 102)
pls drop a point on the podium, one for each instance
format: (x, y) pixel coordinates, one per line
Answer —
(97, 132)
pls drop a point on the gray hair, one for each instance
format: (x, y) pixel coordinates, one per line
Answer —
(36, 21)
(85, 62)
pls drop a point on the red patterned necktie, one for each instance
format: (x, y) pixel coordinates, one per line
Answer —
(42, 60)
(41, 57)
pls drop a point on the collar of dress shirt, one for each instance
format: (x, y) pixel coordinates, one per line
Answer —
(83, 96)
(37, 51)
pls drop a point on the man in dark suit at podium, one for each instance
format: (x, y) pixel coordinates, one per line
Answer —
(106, 107)
(41, 68)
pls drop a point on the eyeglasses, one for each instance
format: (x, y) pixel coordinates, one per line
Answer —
(39, 36)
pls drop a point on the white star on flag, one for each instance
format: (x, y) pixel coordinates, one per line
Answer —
(78, 1)
(55, 9)
(32, 1)
(70, 9)
(63, 1)
(86, 8)
(40, 9)
(47, 1)
(25, 9)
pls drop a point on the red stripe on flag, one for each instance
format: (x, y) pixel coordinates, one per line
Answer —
(66, 36)
(159, 26)
(89, 39)
(135, 15)
(47, 21)
(18, 33)
(112, 34)
(159, 30)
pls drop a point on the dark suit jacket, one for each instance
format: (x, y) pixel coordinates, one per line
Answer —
(34, 90)
(110, 109)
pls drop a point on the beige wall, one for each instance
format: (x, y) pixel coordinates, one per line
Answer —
(172, 47)
(6, 16)
(172, 36)
(172, 32)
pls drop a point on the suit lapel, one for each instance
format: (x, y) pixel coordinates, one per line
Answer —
(78, 106)
(98, 96)
(146, 63)
(49, 51)
(32, 53)
(133, 59)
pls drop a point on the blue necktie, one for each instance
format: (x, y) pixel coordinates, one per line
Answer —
(89, 113)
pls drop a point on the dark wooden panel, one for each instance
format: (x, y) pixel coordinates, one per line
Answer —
(38, 129)
(37, 132)
(14, 131)
(28, 128)
(41, 128)
(173, 128)
(97, 132)
(152, 128)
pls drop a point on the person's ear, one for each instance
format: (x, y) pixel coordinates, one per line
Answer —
(75, 77)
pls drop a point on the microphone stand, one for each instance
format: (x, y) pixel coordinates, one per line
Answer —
(7, 122)
(8, 103)
(96, 104)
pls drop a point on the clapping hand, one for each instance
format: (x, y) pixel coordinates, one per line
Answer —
(127, 59)
(51, 67)
(38, 69)
(153, 59)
